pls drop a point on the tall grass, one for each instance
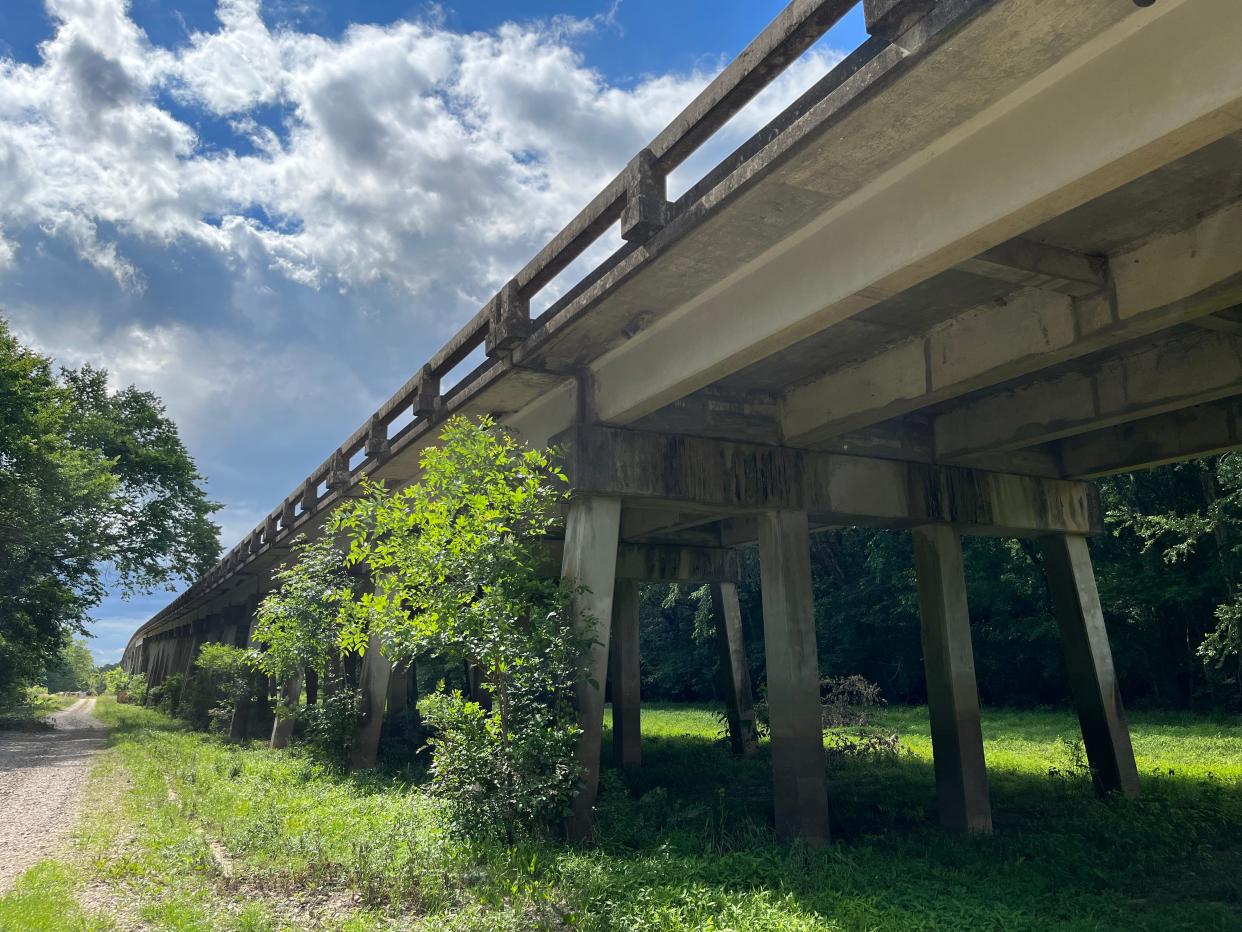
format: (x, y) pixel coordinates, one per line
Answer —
(213, 836)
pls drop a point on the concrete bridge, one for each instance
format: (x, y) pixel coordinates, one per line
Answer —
(994, 252)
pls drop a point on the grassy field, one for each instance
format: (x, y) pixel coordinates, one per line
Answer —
(188, 833)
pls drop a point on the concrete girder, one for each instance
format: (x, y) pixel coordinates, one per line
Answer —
(1033, 329)
(1169, 87)
(1188, 368)
(1027, 264)
(720, 476)
(1201, 430)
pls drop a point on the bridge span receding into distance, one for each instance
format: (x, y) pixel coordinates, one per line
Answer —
(994, 252)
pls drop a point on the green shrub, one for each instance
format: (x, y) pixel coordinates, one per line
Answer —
(127, 687)
(456, 563)
(332, 724)
(167, 696)
(227, 672)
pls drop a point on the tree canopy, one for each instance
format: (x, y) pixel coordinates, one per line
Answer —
(96, 490)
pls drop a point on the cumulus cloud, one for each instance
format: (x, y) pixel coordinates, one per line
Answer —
(405, 154)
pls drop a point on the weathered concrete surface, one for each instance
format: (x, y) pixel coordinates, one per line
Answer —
(734, 670)
(282, 727)
(1089, 662)
(590, 560)
(376, 669)
(1180, 371)
(799, 791)
(1201, 430)
(675, 470)
(952, 695)
(624, 679)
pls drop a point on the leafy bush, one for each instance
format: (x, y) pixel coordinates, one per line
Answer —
(167, 695)
(127, 687)
(848, 700)
(457, 561)
(332, 724)
(227, 669)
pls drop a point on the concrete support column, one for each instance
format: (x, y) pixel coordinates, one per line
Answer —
(373, 683)
(799, 786)
(734, 670)
(312, 687)
(397, 690)
(623, 675)
(952, 695)
(1089, 662)
(590, 561)
(282, 727)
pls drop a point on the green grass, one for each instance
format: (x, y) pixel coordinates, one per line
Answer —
(684, 840)
(31, 707)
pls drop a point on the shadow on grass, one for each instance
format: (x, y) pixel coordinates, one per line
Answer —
(1058, 855)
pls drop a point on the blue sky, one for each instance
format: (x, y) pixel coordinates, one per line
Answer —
(271, 213)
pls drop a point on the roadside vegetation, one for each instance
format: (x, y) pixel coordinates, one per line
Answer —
(188, 831)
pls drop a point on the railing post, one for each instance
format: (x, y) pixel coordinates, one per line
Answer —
(427, 399)
(888, 19)
(646, 206)
(338, 472)
(508, 319)
(377, 438)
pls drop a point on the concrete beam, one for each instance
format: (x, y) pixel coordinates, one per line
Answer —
(1184, 369)
(668, 563)
(1202, 430)
(1027, 264)
(1034, 328)
(741, 478)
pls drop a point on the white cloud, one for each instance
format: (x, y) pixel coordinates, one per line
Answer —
(409, 155)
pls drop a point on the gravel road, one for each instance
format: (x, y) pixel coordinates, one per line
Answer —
(41, 778)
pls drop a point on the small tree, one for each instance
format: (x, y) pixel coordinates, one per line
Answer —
(299, 623)
(227, 669)
(460, 570)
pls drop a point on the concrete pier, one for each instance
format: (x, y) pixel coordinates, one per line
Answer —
(282, 727)
(799, 788)
(1089, 663)
(624, 679)
(589, 562)
(373, 683)
(734, 670)
(952, 694)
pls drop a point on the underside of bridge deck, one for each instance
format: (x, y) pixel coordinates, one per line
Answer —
(996, 252)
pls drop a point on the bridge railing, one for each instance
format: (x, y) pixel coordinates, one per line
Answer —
(636, 197)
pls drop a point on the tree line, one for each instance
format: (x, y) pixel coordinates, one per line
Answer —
(1167, 569)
